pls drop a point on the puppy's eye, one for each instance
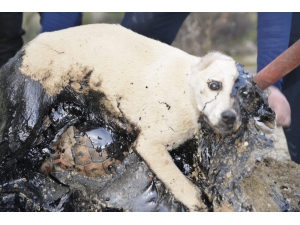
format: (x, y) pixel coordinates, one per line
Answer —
(214, 85)
(246, 93)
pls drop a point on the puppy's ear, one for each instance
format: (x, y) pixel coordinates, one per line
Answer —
(210, 57)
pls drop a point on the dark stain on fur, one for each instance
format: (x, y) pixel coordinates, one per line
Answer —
(54, 49)
(210, 101)
(167, 105)
(98, 84)
(86, 79)
(48, 75)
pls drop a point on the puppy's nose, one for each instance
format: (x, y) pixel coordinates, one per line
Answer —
(228, 117)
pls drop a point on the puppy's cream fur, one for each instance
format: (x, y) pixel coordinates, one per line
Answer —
(158, 88)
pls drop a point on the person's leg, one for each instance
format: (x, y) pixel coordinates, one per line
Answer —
(291, 89)
(52, 21)
(10, 35)
(156, 25)
(273, 32)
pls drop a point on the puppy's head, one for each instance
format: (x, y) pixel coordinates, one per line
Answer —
(227, 96)
(213, 79)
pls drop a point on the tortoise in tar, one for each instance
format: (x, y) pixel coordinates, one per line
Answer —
(75, 150)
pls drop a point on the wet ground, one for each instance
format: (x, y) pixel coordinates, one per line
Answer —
(272, 181)
(277, 177)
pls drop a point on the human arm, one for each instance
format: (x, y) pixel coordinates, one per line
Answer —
(280, 105)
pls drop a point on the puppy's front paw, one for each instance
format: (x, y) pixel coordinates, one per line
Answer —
(199, 208)
(191, 198)
(197, 204)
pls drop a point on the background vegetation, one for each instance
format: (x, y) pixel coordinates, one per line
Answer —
(231, 33)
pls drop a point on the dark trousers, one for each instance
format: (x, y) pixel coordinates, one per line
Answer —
(10, 35)
(11, 29)
(156, 25)
(291, 89)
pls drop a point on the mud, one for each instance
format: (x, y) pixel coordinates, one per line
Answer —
(274, 182)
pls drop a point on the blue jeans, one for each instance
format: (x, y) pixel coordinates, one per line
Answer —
(156, 25)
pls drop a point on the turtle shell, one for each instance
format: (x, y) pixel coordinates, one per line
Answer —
(79, 152)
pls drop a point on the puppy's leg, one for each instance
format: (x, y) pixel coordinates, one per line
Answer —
(159, 160)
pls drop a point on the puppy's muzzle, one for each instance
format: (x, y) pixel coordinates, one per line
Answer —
(229, 122)
(228, 118)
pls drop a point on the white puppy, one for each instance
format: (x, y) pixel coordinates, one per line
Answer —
(157, 88)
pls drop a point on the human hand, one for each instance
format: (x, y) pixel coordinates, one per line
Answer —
(280, 105)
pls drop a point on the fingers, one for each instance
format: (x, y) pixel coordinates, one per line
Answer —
(280, 105)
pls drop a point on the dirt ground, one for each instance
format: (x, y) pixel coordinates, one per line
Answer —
(275, 183)
(280, 152)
